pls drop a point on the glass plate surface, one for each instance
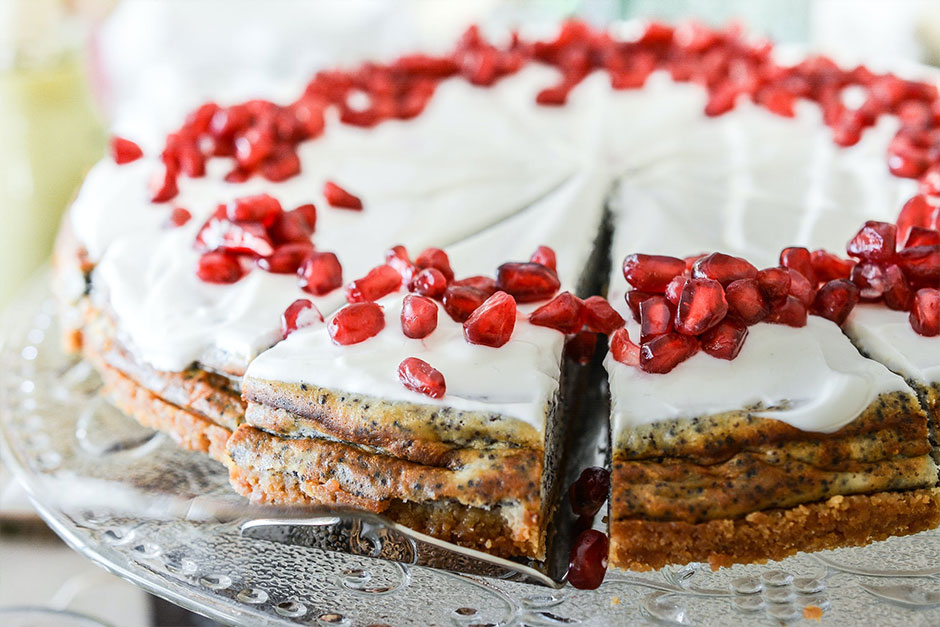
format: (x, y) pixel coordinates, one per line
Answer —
(79, 458)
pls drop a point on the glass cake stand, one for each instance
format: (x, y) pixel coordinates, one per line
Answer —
(81, 460)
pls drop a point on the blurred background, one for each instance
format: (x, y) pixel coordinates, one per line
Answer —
(74, 71)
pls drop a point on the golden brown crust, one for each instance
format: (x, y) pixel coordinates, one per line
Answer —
(421, 433)
(775, 534)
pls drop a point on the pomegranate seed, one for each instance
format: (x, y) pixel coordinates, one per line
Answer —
(800, 260)
(897, 294)
(921, 264)
(829, 267)
(876, 241)
(124, 150)
(920, 236)
(563, 313)
(792, 312)
(299, 314)
(746, 301)
(656, 315)
(397, 257)
(252, 147)
(491, 324)
(290, 227)
(418, 316)
(419, 376)
(870, 280)
(429, 282)
(198, 121)
(378, 282)
(925, 312)
(262, 208)
(724, 340)
(723, 268)
(929, 183)
(545, 256)
(356, 323)
(651, 273)
(483, 283)
(308, 214)
(338, 197)
(775, 283)
(163, 184)
(179, 216)
(801, 288)
(600, 317)
(281, 165)
(589, 491)
(701, 306)
(191, 160)
(435, 258)
(690, 262)
(249, 238)
(664, 352)
(580, 347)
(527, 282)
(623, 349)
(286, 258)
(634, 298)
(460, 301)
(320, 274)
(587, 561)
(228, 121)
(835, 300)
(219, 267)
(674, 289)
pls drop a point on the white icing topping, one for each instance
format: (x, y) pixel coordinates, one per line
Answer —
(887, 336)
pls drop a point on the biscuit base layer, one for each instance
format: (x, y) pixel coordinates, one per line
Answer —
(774, 534)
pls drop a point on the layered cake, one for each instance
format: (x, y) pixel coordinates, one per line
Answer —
(378, 295)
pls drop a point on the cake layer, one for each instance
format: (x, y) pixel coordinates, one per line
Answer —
(774, 534)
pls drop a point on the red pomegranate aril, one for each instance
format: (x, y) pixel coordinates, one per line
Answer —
(702, 305)
(921, 265)
(920, 236)
(308, 214)
(587, 561)
(236, 237)
(746, 301)
(600, 317)
(338, 197)
(589, 491)
(320, 273)
(898, 294)
(378, 282)
(460, 301)
(229, 120)
(527, 282)
(563, 313)
(929, 184)
(869, 278)
(925, 312)
(253, 146)
(674, 289)
(124, 150)
(664, 352)
(724, 340)
(219, 267)
(435, 258)
(179, 216)
(835, 300)
(397, 257)
(286, 258)
(623, 349)
(723, 268)
(419, 376)
(299, 314)
(634, 298)
(775, 283)
(192, 162)
(262, 208)
(651, 273)
(483, 283)
(876, 241)
(656, 315)
(290, 227)
(545, 256)
(580, 347)
(356, 323)
(492, 323)
(418, 316)
(428, 282)
(792, 313)
(281, 165)
(801, 288)
(829, 267)
(163, 184)
(799, 259)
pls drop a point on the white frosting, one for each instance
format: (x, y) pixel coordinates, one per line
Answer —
(813, 372)
(886, 335)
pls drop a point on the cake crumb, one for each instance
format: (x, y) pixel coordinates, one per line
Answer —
(812, 612)
(614, 601)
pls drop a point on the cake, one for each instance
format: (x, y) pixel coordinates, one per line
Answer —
(242, 288)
